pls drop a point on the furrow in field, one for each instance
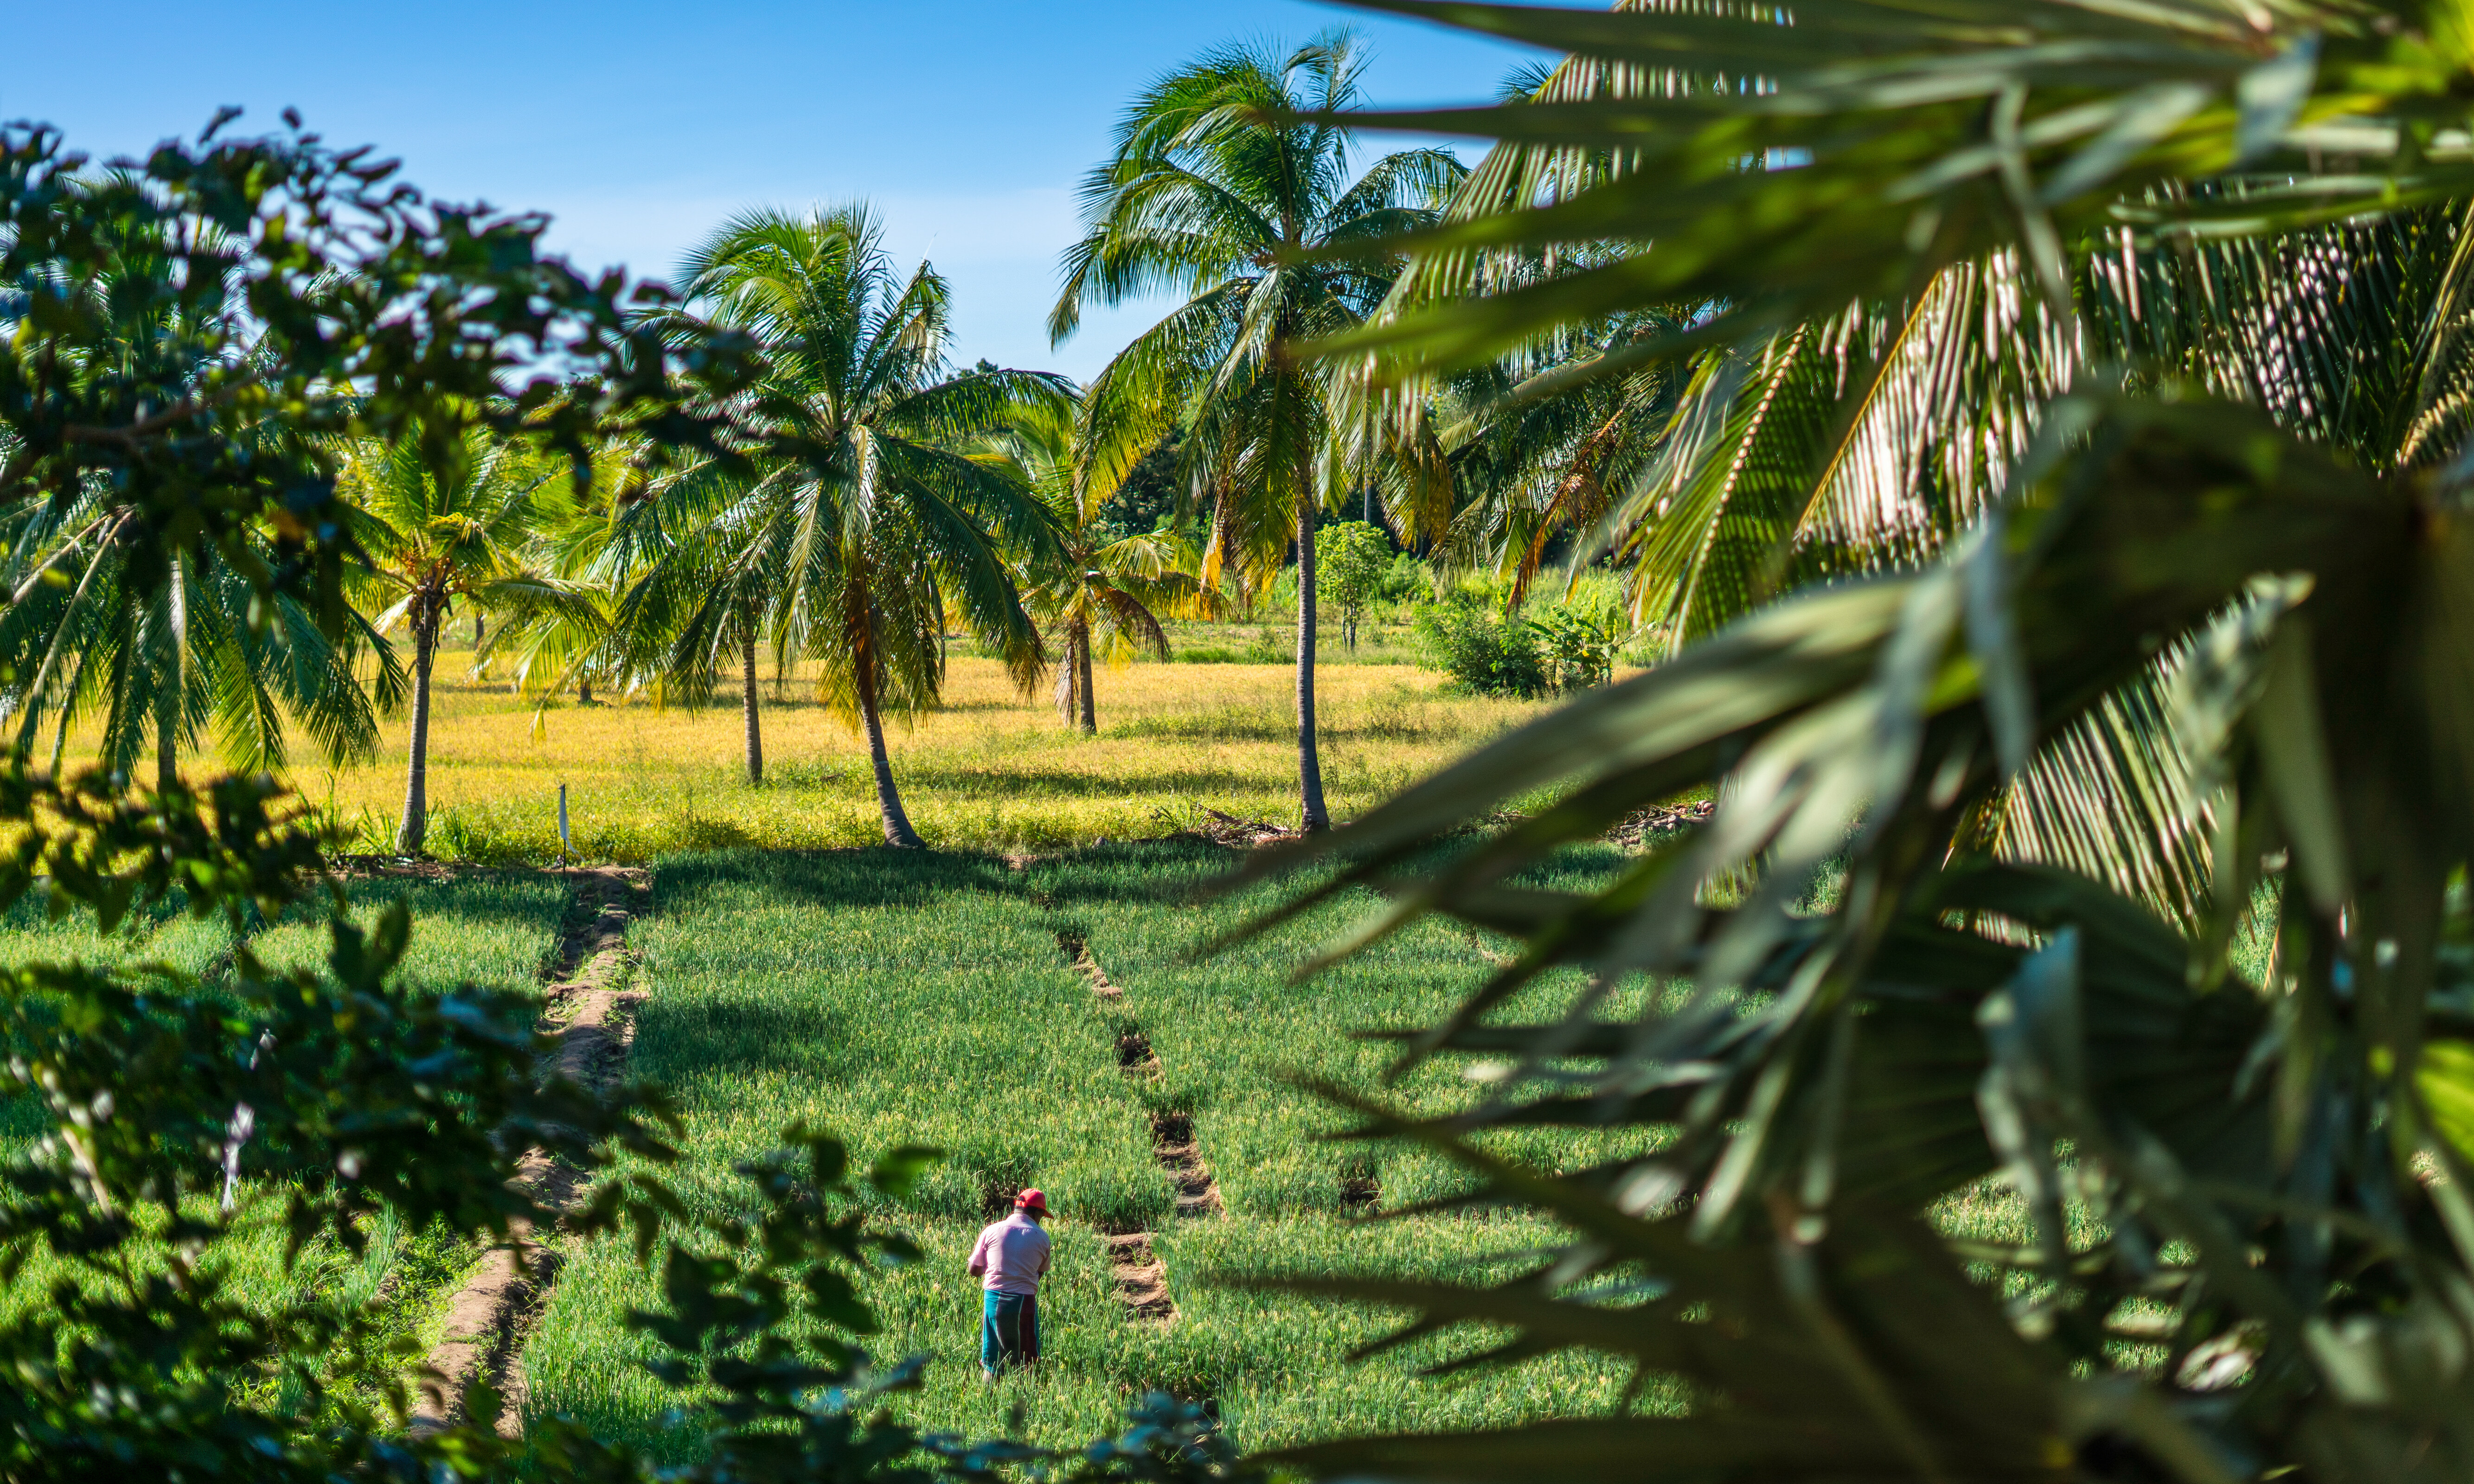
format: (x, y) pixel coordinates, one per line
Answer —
(1140, 1275)
(1079, 954)
(1173, 1143)
(592, 1001)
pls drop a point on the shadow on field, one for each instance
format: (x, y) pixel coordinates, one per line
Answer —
(1173, 871)
(481, 896)
(1169, 872)
(877, 877)
(865, 878)
(1029, 777)
(33, 914)
(749, 1037)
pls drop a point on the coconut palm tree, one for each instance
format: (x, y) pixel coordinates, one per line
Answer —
(1528, 469)
(443, 519)
(1107, 588)
(699, 571)
(573, 646)
(175, 655)
(1229, 184)
(863, 519)
(96, 620)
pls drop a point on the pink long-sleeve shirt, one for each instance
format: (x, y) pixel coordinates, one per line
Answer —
(1013, 1255)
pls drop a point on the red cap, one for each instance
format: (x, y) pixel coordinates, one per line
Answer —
(1031, 1201)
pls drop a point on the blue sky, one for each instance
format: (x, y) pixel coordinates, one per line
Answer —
(638, 127)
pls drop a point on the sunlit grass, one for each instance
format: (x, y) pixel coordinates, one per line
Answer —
(989, 769)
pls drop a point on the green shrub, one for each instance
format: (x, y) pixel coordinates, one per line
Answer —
(1407, 580)
(1578, 645)
(1485, 652)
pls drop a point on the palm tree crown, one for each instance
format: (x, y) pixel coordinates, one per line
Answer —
(1108, 588)
(192, 650)
(861, 521)
(1229, 184)
(442, 520)
(97, 624)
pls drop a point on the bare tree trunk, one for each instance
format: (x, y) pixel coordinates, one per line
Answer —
(413, 831)
(1079, 655)
(167, 731)
(1312, 815)
(478, 633)
(748, 707)
(584, 693)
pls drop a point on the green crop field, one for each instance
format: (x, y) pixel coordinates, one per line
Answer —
(498, 929)
(930, 998)
(900, 998)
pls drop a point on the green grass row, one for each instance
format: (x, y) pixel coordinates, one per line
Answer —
(924, 998)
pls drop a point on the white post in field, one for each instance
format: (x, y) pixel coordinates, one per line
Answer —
(564, 850)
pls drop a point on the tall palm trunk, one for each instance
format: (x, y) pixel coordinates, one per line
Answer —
(748, 707)
(167, 730)
(898, 832)
(1077, 653)
(414, 831)
(1312, 815)
(175, 687)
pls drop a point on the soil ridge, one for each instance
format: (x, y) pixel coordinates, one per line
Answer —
(591, 1005)
(1139, 1273)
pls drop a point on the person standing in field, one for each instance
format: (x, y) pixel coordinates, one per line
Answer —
(1012, 1257)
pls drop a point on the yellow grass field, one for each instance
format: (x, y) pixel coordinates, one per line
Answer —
(990, 770)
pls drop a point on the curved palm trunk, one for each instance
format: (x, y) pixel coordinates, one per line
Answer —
(1079, 655)
(413, 831)
(1067, 706)
(748, 707)
(898, 832)
(1312, 815)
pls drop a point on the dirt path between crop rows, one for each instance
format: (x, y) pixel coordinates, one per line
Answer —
(1140, 1275)
(592, 1005)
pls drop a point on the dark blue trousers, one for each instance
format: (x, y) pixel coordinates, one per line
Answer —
(1009, 1332)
